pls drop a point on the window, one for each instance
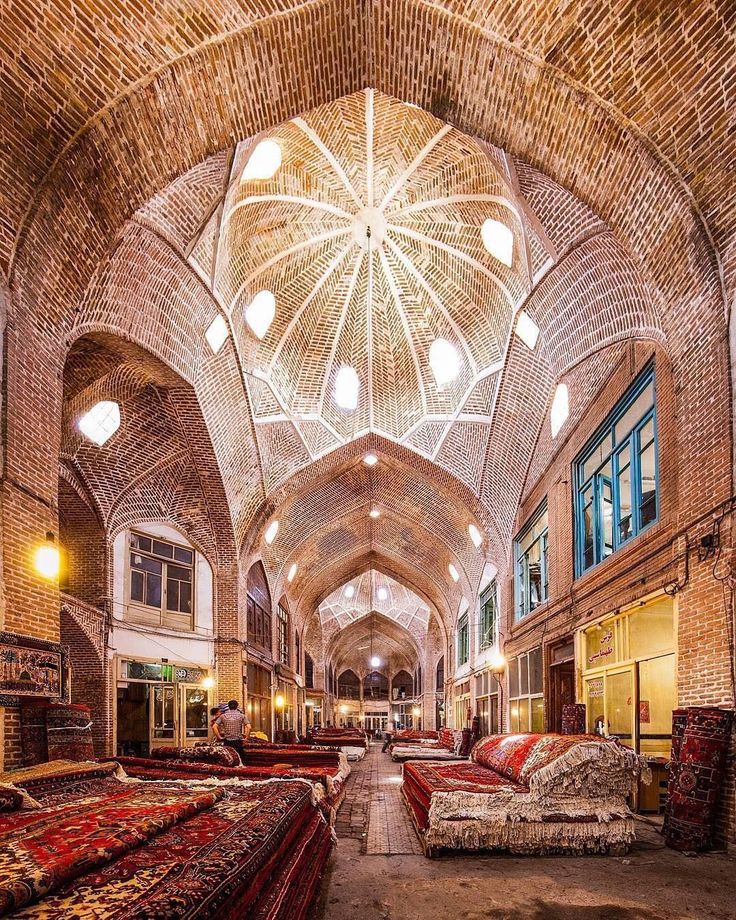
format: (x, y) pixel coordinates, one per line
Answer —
(616, 477)
(283, 625)
(439, 685)
(530, 550)
(259, 624)
(486, 702)
(463, 644)
(259, 698)
(161, 582)
(298, 653)
(308, 671)
(526, 703)
(488, 616)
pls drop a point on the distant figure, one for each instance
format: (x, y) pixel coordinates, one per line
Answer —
(214, 716)
(233, 727)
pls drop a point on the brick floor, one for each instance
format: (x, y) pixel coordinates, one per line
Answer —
(374, 811)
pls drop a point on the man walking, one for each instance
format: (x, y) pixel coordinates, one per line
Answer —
(233, 727)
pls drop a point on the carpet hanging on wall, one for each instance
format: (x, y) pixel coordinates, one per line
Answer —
(699, 761)
(573, 719)
(69, 732)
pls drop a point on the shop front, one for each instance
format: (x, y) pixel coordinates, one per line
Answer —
(159, 703)
(258, 698)
(629, 676)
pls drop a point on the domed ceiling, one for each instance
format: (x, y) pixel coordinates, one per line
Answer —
(374, 592)
(369, 240)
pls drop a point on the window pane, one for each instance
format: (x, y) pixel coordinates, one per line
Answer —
(537, 714)
(136, 586)
(177, 571)
(596, 457)
(534, 568)
(163, 549)
(185, 597)
(636, 411)
(140, 542)
(145, 564)
(619, 705)
(648, 485)
(624, 497)
(514, 677)
(588, 546)
(523, 675)
(153, 590)
(183, 555)
(607, 515)
(535, 670)
(524, 714)
(172, 594)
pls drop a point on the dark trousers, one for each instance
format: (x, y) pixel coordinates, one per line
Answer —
(238, 745)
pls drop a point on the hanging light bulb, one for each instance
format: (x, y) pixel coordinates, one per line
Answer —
(375, 662)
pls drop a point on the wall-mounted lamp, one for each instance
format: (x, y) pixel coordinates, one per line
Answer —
(47, 559)
(208, 683)
(279, 701)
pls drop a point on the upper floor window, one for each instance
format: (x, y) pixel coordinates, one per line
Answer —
(297, 652)
(616, 477)
(439, 684)
(161, 582)
(463, 640)
(283, 624)
(531, 555)
(308, 671)
(488, 616)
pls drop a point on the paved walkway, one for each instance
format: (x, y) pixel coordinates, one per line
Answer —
(374, 811)
(378, 872)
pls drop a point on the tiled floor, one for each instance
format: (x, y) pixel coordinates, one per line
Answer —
(374, 811)
(378, 872)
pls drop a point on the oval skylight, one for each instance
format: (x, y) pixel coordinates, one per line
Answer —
(382, 594)
(260, 312)
(349, 591)
(370, 459)
(263, 162)
(560, 408)
(475, 535)
(347, 388)
(498, 240)
(374, 513)
(454, 574)
(271, 531)
(292, 573)
(527, 330)
(101, 422)
(444, 361)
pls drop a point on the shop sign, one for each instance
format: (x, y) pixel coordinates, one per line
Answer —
(595, 688)
(605, 649)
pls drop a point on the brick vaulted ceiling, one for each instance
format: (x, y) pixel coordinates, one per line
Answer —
(599, 132)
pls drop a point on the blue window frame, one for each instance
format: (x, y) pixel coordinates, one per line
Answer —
(463, 640)
(531, 563)
(488, 616)
(616, 477)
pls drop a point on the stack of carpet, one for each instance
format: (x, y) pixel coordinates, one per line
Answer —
(55, 731)
(93, 843)
(700, 740)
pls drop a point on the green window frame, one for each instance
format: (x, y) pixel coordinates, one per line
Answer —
(463, 640)
(488, 616)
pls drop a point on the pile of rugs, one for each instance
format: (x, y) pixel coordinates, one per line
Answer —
(326, 771)
(448, 746)
(55, 731)
(353, 741)
(700, 741)
(528, 794)
(88, 841)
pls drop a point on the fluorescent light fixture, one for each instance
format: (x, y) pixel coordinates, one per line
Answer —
(375, 662)
(101, 422)
(475, 535)
(370, 459)
(217, 333)
(498, 240)
(347, 388)
(263, 162)
(453, 572)
(560, 408)
(260, 312)
(374, 513)
(349, 591)
(444, 361)
(292, 573)
(382, 594)
(271, 531)
(527, 330)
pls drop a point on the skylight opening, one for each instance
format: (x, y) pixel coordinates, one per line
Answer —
(370, 459)
(271, 531)
(260, 312)
(498, 240)
(382, 594)
(217, 333)
(444, 361)
(560, 408)
(349, 592)
(292, 573)
(347, 388)
(374, 513)
(264, 161)
(454, 574)
(527, 330)
(475, 535)
(101, 422)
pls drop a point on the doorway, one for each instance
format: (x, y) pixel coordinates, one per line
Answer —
(561, 681)
(153, 715)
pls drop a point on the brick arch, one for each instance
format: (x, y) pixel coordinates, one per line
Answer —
(84, 629)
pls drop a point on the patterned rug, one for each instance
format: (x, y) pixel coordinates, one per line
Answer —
(85, 821)
(258, 854)
(69, 732)
(33, 742)
(697, 778)
(573, 719)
